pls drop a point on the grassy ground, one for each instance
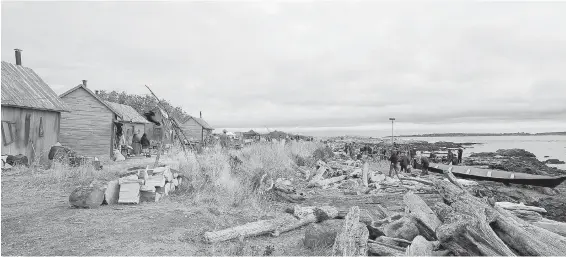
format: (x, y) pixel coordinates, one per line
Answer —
(37, 219)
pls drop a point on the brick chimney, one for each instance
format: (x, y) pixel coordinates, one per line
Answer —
(84, 82)
(18, 56)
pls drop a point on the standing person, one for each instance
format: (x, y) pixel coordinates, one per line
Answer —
(404, 162)
(394, 159)
(460, 152)
(136, 143)
(383, 154)
(224, 139)
(145, 143)
(450, 157)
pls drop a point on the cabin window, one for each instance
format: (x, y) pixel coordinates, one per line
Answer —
(8, 132)
(40, 126)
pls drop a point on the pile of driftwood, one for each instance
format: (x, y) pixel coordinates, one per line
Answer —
(460, 225)
(135, 186)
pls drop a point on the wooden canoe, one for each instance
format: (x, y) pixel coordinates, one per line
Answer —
(468, 172)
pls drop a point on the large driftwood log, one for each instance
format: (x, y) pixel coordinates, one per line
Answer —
(420, 247)
(393, 241)
(466, 229)
(320, 172)
(381, 249)
(427, 221)
(248, 230)
(525, 238)
(426, 182)
(365, 172)
(516, 206)
(352, 239)
(470, 225)
(536, 219)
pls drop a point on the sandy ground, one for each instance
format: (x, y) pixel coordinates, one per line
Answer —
(39, 221)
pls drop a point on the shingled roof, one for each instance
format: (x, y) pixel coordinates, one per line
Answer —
(128, 113)
(22, 87)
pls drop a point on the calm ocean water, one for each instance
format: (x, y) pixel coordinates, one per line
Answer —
(552, 146)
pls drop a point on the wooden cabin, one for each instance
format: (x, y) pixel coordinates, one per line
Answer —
(196, 129)
(91, 127)
(31, 112)
(129, 121)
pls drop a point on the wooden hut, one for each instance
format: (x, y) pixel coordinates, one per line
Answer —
(196, 129)
(251, 136)
(91, 127)
(129, 121)
(31, 112)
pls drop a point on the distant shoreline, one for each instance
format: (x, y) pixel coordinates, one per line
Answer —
(485, 134)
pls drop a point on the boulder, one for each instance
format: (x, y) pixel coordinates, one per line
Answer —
(404, 228)
(87, 197)
(322, 234)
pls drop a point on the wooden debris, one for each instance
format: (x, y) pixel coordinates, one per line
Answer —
(365, 174)
(427, 221)
(325, 182)
(381, 249)
(129, 193)
(352, 239)
(468, 223)
(420, 247)
(248, 230)
(112, 192)
(426, 182)
(515, 206)
(393, 241)
(317, 176)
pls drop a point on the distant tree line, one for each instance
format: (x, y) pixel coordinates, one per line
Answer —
(142, 103)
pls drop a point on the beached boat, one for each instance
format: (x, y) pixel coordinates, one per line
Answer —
(469, 172)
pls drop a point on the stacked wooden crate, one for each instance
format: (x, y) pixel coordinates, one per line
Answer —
(148, 185)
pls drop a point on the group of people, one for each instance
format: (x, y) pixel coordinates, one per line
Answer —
(137, 144)
(410, 158)
(406, 160)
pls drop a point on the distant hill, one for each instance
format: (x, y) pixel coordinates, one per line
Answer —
(486, 134)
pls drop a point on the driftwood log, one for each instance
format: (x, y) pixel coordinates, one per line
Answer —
(352, 239)
(250, 229)
(473, 227)
(516, 206)
(365, 172)
(427, 221)
(381, 249)
(325, 182)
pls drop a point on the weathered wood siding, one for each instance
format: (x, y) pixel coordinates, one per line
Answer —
(42, 145)
(88, 128)
(192, 130)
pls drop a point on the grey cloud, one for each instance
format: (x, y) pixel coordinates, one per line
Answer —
(318, 64)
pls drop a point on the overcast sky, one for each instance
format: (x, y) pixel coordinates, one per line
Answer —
(313, 67)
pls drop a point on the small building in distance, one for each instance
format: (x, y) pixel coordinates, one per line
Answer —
(31, 112)
(196, 129)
